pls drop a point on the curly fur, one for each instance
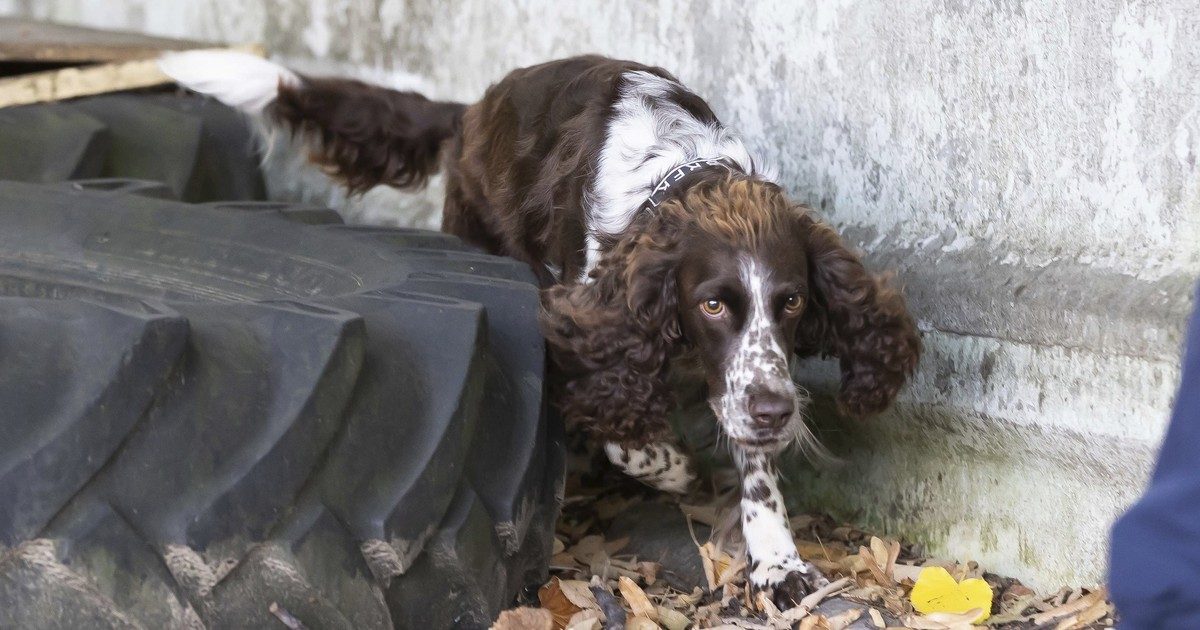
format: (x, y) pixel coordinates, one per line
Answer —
(612, 338)
(366, 135)
(859, 318)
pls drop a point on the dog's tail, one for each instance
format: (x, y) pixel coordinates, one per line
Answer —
(361, 134)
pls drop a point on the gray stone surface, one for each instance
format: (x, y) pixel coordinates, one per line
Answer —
(1029, 167)
(658, 532)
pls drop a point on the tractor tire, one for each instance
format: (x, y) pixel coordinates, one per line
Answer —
(196, 148)
(245, 413)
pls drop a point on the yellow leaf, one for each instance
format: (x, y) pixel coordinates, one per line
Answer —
(936, 591)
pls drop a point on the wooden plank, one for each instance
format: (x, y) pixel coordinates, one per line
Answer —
(31, 40)
(66, 83)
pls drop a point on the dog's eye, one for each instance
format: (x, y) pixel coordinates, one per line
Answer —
(793, 303)
(712, 308)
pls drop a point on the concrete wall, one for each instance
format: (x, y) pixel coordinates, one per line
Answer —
(1030, 168)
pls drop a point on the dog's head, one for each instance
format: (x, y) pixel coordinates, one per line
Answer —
(742, 288)
(745, 280)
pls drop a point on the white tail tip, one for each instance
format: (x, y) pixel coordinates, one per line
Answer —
(238, 79)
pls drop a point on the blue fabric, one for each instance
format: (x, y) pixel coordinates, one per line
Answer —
(1154, 567)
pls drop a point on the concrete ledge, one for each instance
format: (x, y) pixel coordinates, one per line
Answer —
(992, 292)
(1022, 501)
(1032, 422)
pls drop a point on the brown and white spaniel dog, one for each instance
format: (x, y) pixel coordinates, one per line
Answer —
(657, 237)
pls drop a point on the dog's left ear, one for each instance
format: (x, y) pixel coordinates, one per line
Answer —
(611, 337)
(857, 317)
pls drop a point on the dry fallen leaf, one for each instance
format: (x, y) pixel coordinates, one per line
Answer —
(693, 597)
(640, 623)
(893, 556)
(1082, 619)
(717, 565)
(672, 619)
(814, 622)
(585, 620)
(762, 602)
(559, 605)
(1070, 608)
(881, 575)
(901, 572)
(830, 569)
(710, 569)
(873, 566)
(816, 551)
(637, 600)
(853, 564)
(1016, 591)
(879, 552)
(842, 620)
(525, 618)
(580, 593)
(731, 573)
(649, 571)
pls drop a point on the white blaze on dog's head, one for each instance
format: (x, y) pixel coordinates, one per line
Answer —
(759, 406)
(743, 290)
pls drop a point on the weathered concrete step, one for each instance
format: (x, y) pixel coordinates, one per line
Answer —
(990, 291)
(1032, 422)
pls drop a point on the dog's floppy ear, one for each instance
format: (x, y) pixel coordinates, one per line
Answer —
(612, 336)
(859, 318)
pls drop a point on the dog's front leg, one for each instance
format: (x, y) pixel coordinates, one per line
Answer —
(775, 566)
(657, 464)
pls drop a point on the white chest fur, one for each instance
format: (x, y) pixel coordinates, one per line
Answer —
(648, 134)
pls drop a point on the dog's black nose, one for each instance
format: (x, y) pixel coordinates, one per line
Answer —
(771, 411)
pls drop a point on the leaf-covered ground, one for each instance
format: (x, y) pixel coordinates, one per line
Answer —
(627, 557)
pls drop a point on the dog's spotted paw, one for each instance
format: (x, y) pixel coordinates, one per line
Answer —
(660, 466)
(786, 583)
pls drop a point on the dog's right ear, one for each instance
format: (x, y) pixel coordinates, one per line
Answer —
(612, 335)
